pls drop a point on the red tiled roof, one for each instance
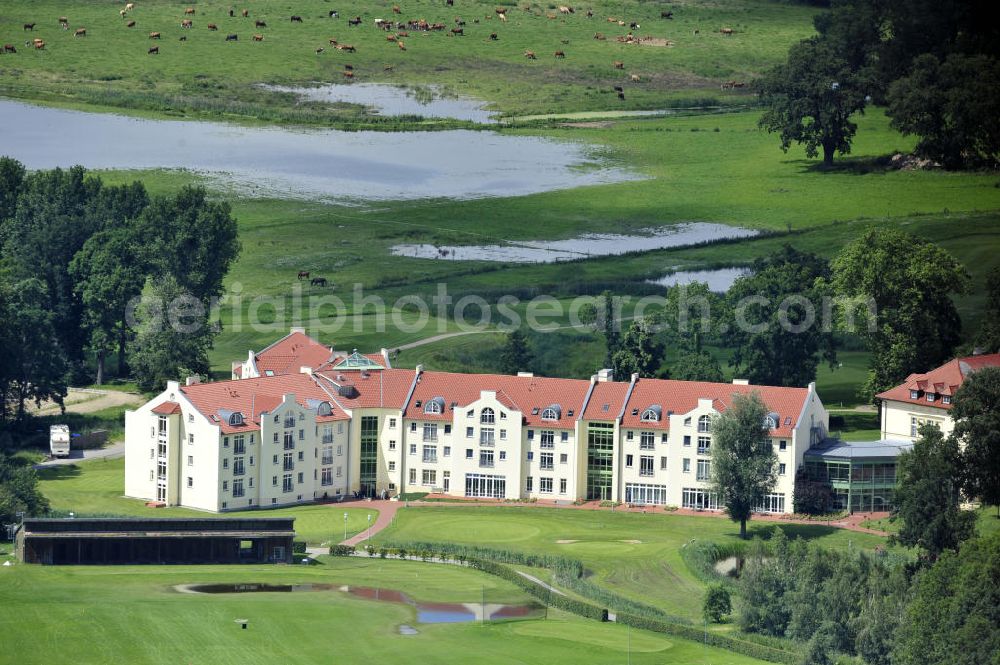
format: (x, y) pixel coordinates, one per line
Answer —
(385, 388)
(943, 380)
(521, 393)
(291, 353)
(610, 394)
(682, 397)
(167, 408)
(251, 397)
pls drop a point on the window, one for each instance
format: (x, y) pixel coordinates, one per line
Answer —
(429, 477)
(563, 458)
(645, 465)
(190, 481)
(340, 471)
(413, 449)
(190, 460)
(914, 394)
(650, 416)
(413, 427)
(545, 462)
(289, 441)
(274, 481)
(699, 499)
(327, 434)
(430, 454)
(468, 453)
(781, 469)
(629, 435)
(413, 476)
(704, 445)
(773, 503)
(545, 485)
(486, 458)
(392, 445)
(238, 488)
(528, 483)
(531, 435)
(327, 455)
(547, 439)
(190, 417)
(503, 416)
(487, 416)
(946, 399)
(392, 465)
(564, 437)
(628, 461)
(392, 423)
(471, 413)
(485, 486)
(531, 455)
(663, 463)
(562, 485)
(503, 455)
(302, 455)
(326, 479)
(686, 465)
(239, 447)
(275, 435)
(647, 441)
(238, 469)
(770, 423)
(274, 459)
(704, 470)
(447, 429)
(288, 462)
(469, 432)
(705, 424)
(302, 435)
(687, 439)
(447, 451)
(190, 439)
(931, 397)
(782, 445)
(433, 406)
(225, 442)
(161, 425)
(486, 436)
(550, 413)
(687, 422)
(286, 483)
(663, 438)
(430, 432)
(503, 435)
(639, 494)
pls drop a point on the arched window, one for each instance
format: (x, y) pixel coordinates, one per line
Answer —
(770, 422)
(324, 409)
(432, 406)
(705, 424)
(236, 419)
(487, 416)
(651, 415)
(550, 414)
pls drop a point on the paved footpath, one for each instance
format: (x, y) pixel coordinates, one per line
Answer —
(386, 513)
(75, 456)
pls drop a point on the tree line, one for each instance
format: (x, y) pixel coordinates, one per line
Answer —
(75, 254)
(934, 65)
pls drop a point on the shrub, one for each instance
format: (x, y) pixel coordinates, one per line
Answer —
(341, 550)
(299, 547)
(717, 604)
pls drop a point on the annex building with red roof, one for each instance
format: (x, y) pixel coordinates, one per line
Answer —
(301, 422)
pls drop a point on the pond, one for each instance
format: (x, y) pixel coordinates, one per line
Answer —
(390, 100)
(323, 164)
(426, 612)
(718, 280)
(582, 247)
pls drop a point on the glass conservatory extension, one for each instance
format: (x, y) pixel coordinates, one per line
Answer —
(862, 475)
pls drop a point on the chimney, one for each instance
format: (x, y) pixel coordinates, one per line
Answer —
(306, 370)
(605, 375)
(741, 382)
(192, 380)
(526, 374)
(385, 357)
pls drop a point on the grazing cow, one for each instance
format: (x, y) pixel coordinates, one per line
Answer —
(80, 32)
(530, 55)
(390, 38)
(551, 17)
(633, 26)
(618, 88)
(348, 75)
(154, 35)
(129, 6)
(396, 9)
(153, 50)
(333, 42)
(450, 3)
(563, 9)
(696, 31)
(349, 68)
(187, 23)
(29, 26)
(38, 43)
(347, 48)
(354, 21)
(9, 48)
(599, 36)
(296, 19)
(122, 13)
(182, 38)
(213, 27)
(303, 274)
(401, 45)
(320, 50)
(590, 14)
(317, 281)
(232, 38)
(621, 95)
(189, 11)
(232, 13)
(493, 36)
(260, 24)
(669, 15)
(387, 68)
(130, 24)
(634, 78)
(726, 31)
(559, 54)
(334, 13)
(619, 64)
(502, 17)
(63, 20)
(402, 33)
(245, 13)
(458, 31)
(258, 38)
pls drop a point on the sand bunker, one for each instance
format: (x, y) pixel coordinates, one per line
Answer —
(566, 542)
(631, 542)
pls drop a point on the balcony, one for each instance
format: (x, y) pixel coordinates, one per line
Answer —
(328, 438)
(327, 460)
(430, 438)
(704, 450)
(289, 465)
(430, 459)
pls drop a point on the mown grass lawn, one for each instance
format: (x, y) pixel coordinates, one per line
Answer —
(97, 488)
(133, 615)
(650, 570)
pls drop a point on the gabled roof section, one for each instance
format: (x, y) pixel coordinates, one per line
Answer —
(941, 381)
(251, 397)
(382, 389)
(291, 353)
(606, 401)
(167, 409)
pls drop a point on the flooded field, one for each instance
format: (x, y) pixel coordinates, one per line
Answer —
(718, 280)
(582, 247)
(391, 100)
(322, 164)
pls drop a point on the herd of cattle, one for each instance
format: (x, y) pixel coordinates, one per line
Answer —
(398, 31)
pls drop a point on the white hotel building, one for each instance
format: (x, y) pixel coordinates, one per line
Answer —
(343, 424)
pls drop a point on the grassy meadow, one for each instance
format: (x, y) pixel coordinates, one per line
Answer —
(204, 75)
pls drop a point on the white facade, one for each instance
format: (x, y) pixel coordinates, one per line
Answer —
(902, 420)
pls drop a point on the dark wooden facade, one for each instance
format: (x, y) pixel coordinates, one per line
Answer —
(110, 541)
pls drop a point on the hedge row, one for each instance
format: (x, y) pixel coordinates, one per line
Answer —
(549, 598)
(342, 550)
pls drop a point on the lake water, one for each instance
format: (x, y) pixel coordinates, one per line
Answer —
(581, 247)
(322, 164)
(718, 280)
(391, 100)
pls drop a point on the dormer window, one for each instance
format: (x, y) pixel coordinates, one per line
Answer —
(687, 422)
(434, 406)
(946, 399)
(705, 424)
(914, 394)
(551, 412)
(487, 416)
(652, 414)
(471, 413)
(236, 419)
(931, 397)
(770, 423)
(324, 409)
